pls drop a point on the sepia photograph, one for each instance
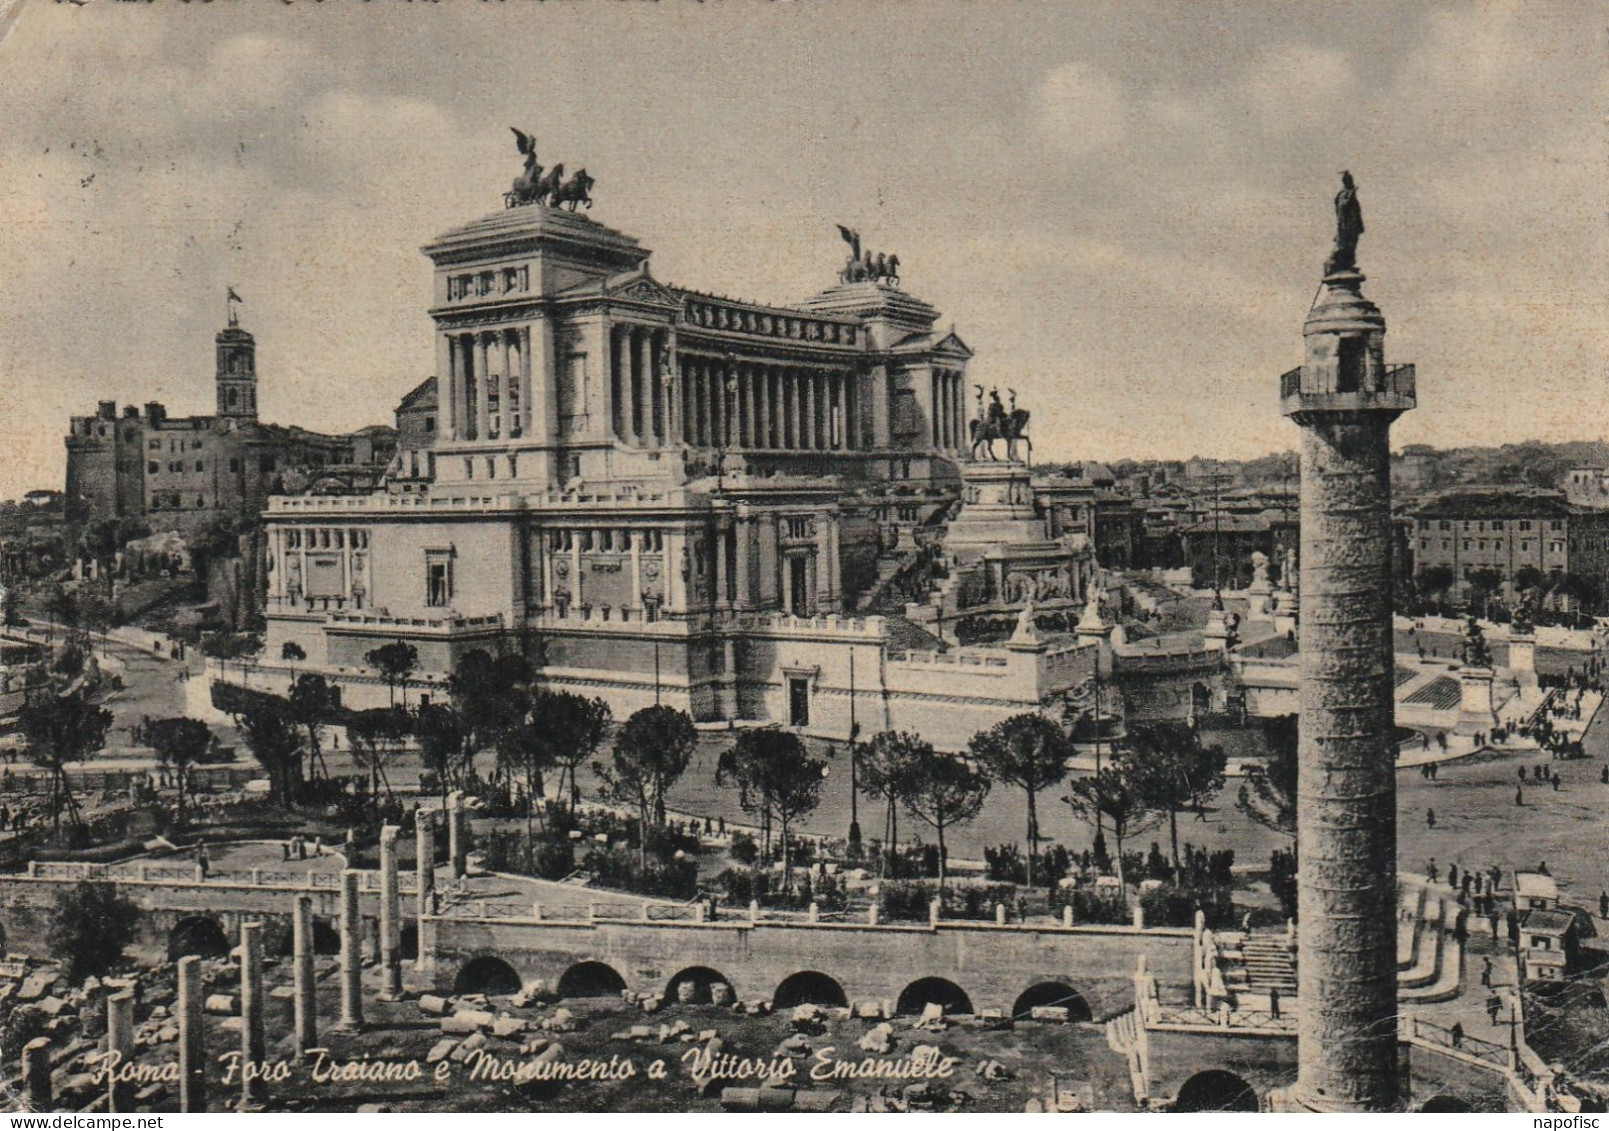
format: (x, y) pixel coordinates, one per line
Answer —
(815, 556)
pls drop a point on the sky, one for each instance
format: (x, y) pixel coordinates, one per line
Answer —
(1123, 208)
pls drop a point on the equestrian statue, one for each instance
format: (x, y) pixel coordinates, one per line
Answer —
(999, 423)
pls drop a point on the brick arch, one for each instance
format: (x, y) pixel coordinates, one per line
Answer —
(1051, 993)
(1446, 1102)
(701, 982)
(590, 979)
(809, 987)
(197, 934)
(933, 991)
(1216, 1090)
(487, 974)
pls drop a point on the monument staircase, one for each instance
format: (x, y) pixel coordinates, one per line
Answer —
(891, 569)
(1259, 964)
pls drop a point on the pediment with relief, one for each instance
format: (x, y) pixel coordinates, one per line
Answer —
(642, 287)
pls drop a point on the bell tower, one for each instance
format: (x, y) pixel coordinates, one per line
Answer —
(237, 369)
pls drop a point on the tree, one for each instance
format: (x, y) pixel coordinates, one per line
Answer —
(292, 653)
(60, 730)
(1528, 577)
(89, 927)
(887, 763)
(491, 697)
(1112, 796)
(180, 743)
(944, 791)
(313, 702)
(395, 662)
(441, 732)
(651, 752)
(777, 779)
(573, 728)
(1030, 752)
(1436, 580)
(275, 740)
(1268, 795)
(1173, 770)
(375, 735)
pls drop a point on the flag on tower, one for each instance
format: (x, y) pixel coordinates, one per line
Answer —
(234, 297)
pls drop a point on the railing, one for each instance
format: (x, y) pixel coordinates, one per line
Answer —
(1395, 381)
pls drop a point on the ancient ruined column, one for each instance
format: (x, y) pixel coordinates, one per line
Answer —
(390, 923)
(457, 850)
(36, 1082)
(253, 1027)
(192, 1037)
(351, 953)
(119, 1046)
(1345, 399)
(424, 858)
(305, 988)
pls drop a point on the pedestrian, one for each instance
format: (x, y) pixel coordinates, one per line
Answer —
(284, 850)
(1543, 868)
(1519, 796)
(1603, 905)
(1555, 783)
(1430, 819)
(1486, 972)
(1452, 875)
(1273, 1002)
(1603, 775)
(1458, 1034)
(1431, 871)
(1521, 773)
(1494, 1007)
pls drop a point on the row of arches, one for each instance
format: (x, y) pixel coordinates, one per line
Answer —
(205, 936)
(698, 985)
(1219, 1090)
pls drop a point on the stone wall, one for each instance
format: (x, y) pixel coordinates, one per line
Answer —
(992, 964)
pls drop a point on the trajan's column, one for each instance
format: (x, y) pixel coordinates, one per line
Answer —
(1345, 397)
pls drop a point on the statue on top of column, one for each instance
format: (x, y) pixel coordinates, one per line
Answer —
(1348, 227)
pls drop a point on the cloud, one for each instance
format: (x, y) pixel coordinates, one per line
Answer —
(1081, 108)
(1298, 86)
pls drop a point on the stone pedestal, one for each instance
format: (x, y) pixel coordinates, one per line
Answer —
(1285, 613)
(997, 508)
(1260, 599)
(1522, 658)
(1476, 712)
(1217, 633)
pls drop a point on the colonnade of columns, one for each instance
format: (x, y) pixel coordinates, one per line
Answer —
(753, 405)
(489, 392)
(948, 419)
(642, 406)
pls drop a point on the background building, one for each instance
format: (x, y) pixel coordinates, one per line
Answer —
(187, 473)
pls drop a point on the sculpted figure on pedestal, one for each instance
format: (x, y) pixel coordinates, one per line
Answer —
(1348, 227)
